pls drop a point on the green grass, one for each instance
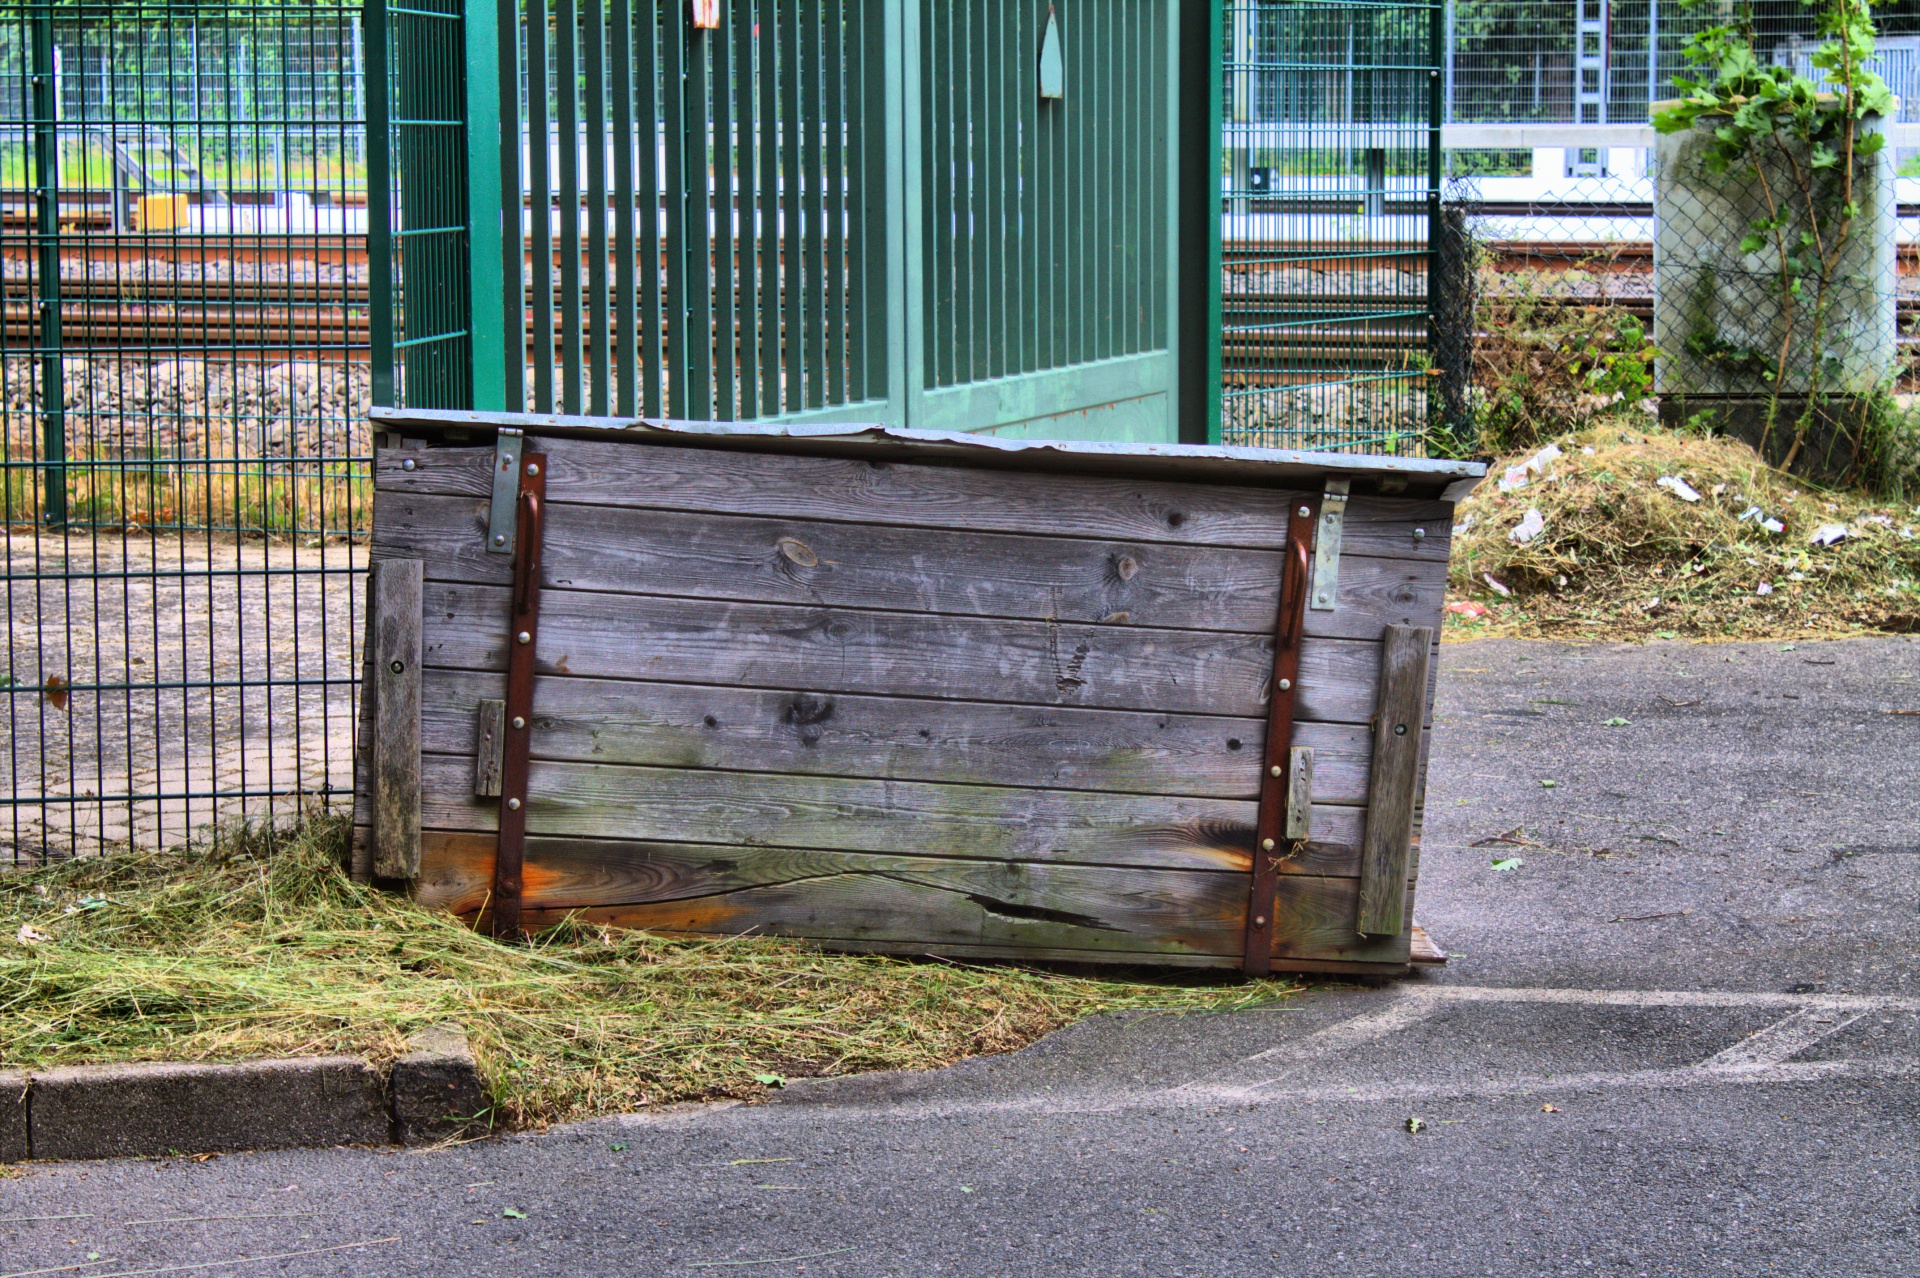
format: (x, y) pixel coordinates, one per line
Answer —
(270, 950)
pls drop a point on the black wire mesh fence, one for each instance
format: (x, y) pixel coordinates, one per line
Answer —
(1332, 159)
(183, 389)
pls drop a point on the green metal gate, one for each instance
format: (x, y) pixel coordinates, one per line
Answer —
(862, 210)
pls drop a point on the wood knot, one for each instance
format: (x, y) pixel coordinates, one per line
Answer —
(798, 552)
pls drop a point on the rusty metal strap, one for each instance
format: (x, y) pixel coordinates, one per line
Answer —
(1294, 579)
(523, 634)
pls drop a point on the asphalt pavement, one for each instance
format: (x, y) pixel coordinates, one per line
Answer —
(1680, 1036)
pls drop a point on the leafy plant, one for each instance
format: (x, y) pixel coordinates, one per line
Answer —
(1804, 147)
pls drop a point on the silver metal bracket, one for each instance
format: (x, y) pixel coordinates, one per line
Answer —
(1326, 545)
(501, 516)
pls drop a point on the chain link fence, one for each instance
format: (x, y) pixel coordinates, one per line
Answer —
(1571, 320)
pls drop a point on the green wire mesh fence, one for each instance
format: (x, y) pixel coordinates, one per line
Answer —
(1333, 227)
(183, 384)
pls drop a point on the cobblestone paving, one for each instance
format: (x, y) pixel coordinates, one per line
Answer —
(156, 686)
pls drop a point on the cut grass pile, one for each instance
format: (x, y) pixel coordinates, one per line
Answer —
(274, 952)
(1620, 554)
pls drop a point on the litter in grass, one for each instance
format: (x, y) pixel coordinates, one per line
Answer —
(1828, 535)
(1681, 488)
(1531, 526)
(1619, 555)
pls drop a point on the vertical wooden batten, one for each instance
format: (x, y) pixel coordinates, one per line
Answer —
(395, 592)
(1404, 653)
(489, 746)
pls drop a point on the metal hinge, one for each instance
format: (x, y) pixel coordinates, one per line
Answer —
(501, 519)
(1326, 545)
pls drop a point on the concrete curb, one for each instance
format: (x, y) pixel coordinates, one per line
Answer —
(436, 1089)
(144, 1110)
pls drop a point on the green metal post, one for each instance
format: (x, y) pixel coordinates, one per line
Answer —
(486, 240)
(1437, 417)
(46, 179)
(1200, 85)
(512, 287)
(380, 298)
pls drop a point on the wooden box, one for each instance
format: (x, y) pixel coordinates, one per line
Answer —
(899, 691)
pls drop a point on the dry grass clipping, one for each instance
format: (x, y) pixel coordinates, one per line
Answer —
(182, 958)
(1620, 556)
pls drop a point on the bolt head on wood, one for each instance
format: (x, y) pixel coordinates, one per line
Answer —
(1306, 512)
(513, 804)
(519, 722)
(1419, 534)
(396, 666)
(1285, 685)
(1266, 845)
(523, 637)
(499, 539)
(1260, 920)
(1274, 770)
(407, 464)
(533, 468)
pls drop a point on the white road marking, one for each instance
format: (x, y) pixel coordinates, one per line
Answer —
(1666, 998)
(1784, 1039)
(1396, 1016)
(1680, 1079)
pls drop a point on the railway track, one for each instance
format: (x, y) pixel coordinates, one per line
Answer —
(115, 306)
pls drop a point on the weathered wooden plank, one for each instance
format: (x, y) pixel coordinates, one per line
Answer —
(567, 872)
(489, 745)
(840, 650)
(721, 556)
(909, 818)
(1404, 652)
(1375, 593)
(776, 647)
(1315, 922)
(395, 760)
(716, 556)
(907, 739)
(746, 730)
(921, 496)
(701, 888)
(1299, 824)
(909, 903)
